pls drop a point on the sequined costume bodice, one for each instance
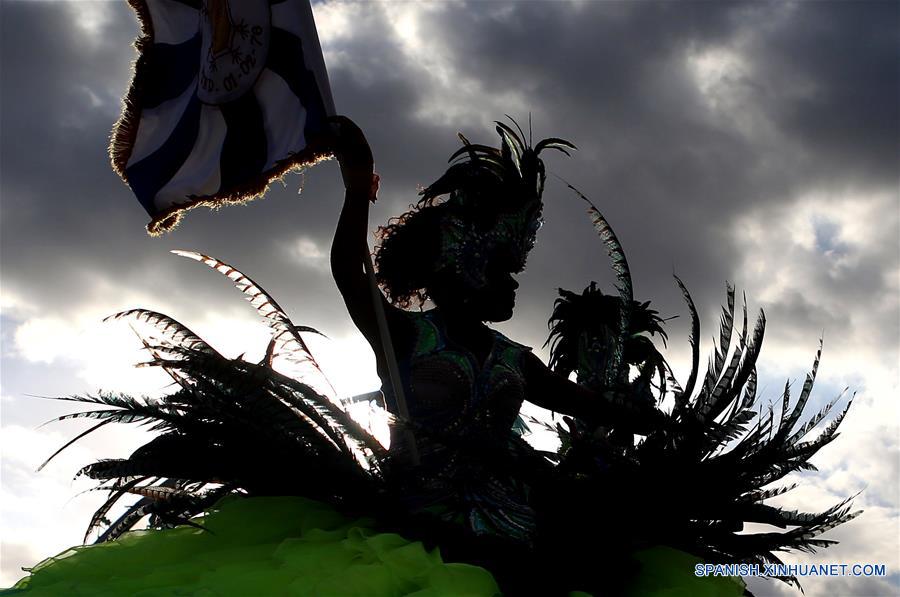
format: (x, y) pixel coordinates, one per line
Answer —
(448, 389)
(468, 441)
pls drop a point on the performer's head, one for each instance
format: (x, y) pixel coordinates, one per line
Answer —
(462, 252)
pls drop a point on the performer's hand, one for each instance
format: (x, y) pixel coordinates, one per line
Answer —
(355, 157)
(639, 416)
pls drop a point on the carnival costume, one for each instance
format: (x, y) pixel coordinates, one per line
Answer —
(300, 499)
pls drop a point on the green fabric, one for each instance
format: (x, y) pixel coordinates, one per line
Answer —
(294, 546)
(667, 572)
(259, 546)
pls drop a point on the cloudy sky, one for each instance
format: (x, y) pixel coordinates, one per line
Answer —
(749, 142)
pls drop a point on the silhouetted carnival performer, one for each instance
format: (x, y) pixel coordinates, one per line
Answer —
(464, 383)
(297, 497)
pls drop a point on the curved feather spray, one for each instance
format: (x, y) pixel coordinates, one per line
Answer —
(720, 463)
(287, 338)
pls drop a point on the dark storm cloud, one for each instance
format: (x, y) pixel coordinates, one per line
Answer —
(611, 77)
(845, 55)
(822, 70)
(669, 176)
(68, 219)
(63, 209)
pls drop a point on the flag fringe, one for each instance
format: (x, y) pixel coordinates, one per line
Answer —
(316, 151)
(125, 130)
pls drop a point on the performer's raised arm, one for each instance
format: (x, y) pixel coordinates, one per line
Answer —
(349, 248)
(554, 392)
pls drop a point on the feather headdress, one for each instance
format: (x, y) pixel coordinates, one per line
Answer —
(494, 205)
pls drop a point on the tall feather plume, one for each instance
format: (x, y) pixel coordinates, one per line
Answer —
(720, 352)
(512, 143)
(170, 329)
(224, 424)
(127, 520)
(717, 450)
(815, 420)
(751, 355)
(682, 400)
(155, 353)
(287, 336)
(726, 384)
(724, 394)
(623, 276)
(103, 510)
(750, 389)
(616, 254)
(613, 246)
(560, 145)
(785, 403)
(791, 419)
(72, 441)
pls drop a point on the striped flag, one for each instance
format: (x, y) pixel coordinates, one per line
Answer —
(227, 96)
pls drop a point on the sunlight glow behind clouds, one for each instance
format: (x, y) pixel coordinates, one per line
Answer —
(45, 513)
(717, 71)
(105, 353)
(90, 16)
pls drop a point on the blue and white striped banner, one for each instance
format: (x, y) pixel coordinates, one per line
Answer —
(227, 96)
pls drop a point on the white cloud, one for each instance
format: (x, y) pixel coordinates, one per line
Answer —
(448, 93)
(104, 354)
(716, 71)
(90, 17)
(829, 258)
(44, 513)
(334, 20)
(813, 262)
(12, 305)
(44, 339)
(309, 254)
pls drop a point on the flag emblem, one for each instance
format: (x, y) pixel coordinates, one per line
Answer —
(227, 96)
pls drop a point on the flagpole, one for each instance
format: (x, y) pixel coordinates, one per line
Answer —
(384, 333)
(389, 356)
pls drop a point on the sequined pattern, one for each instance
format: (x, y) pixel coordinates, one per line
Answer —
(467, 411)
